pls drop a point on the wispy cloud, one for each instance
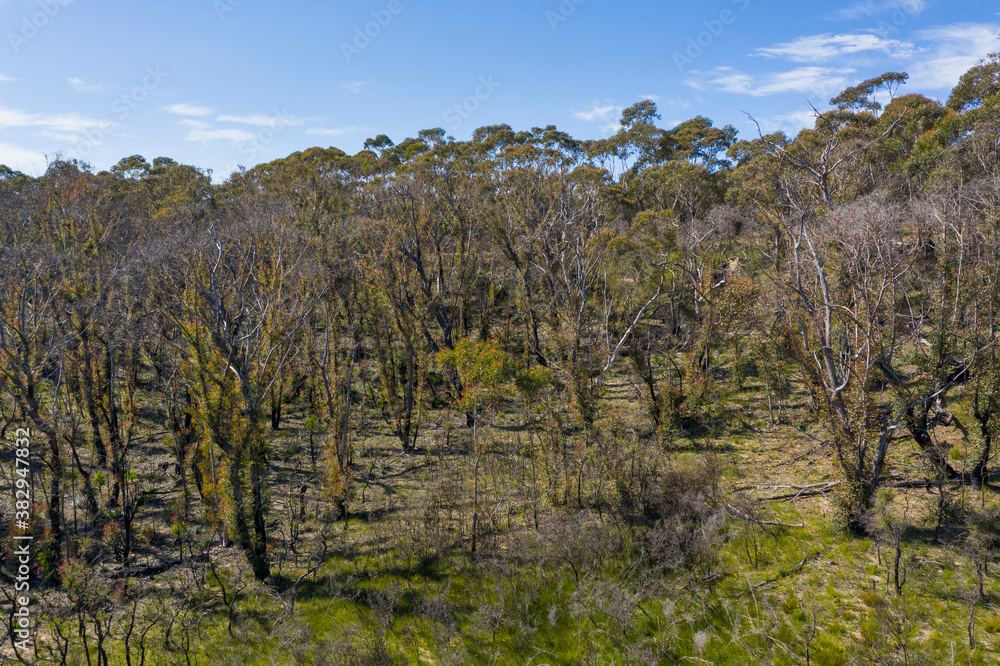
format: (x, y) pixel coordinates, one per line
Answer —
(4, 77)
(821, 48)
(605, 113)
(259, 120)
(340, 131)
(80, 85)
(56, 122)
(956, 48)
(813, 80)
(190, 110)
(789, 123)
(871, 8)
(677, 105)
(22, 159)
(64, 137)
(201, 131)
(355, 87)
(599, 111)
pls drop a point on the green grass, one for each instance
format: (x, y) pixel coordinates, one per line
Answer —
(399, 585)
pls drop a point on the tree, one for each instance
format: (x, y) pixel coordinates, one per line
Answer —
(980, 82)
(635, 145)
(825, 156)
(243, 295)
(838, 325)
(131, 168)
(595, 300)
(861, 98)
(699, 142)
(32, 365)
(487, 375)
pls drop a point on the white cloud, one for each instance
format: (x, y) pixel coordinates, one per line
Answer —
(956, 48)
(58, 122)
(340, 131)
(71, 130)
(234, 135)
(819, 48)
(4, 77)
(355, 87)
(813, 80)
(190, 110)
(21, 159)
(62, 137)
(601, 111)
(258, 120)
(728, 78)
(202, 131)
(605, 113)
(678, 104)
(80, 85)
(790, 123)
(871, 8)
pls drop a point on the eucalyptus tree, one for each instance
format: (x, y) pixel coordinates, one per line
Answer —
(55, 226)
(838, 323)
(243, 289)
(976, 85)
(32, 366)
(699, 142)
(599, 284)
(422, 243)
(966, 263)
(844, 274)
(636, 144)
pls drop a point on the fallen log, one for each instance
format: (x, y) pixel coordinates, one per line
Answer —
(804, 491)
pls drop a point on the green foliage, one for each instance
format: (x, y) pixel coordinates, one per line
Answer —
(487, 373)
(837, 279)
(533, 380)
(980, 82)
(861, 97)
(699, 142)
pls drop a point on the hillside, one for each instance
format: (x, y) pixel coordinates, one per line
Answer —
(667, 397)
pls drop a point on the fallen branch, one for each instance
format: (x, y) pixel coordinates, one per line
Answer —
(758, 486)
(762, 522)
(826, 486)
(786, 574)
(931, 483)
(804, 455)
(804, 491)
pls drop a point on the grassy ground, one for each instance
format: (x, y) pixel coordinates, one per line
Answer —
(736, 562)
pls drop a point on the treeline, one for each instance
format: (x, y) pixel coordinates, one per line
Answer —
(856, 264)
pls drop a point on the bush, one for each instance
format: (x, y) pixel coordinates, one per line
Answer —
(683, 508)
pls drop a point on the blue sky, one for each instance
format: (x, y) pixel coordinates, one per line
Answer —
(221, 83)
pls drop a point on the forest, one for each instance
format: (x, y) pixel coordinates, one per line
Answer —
(670, 396)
